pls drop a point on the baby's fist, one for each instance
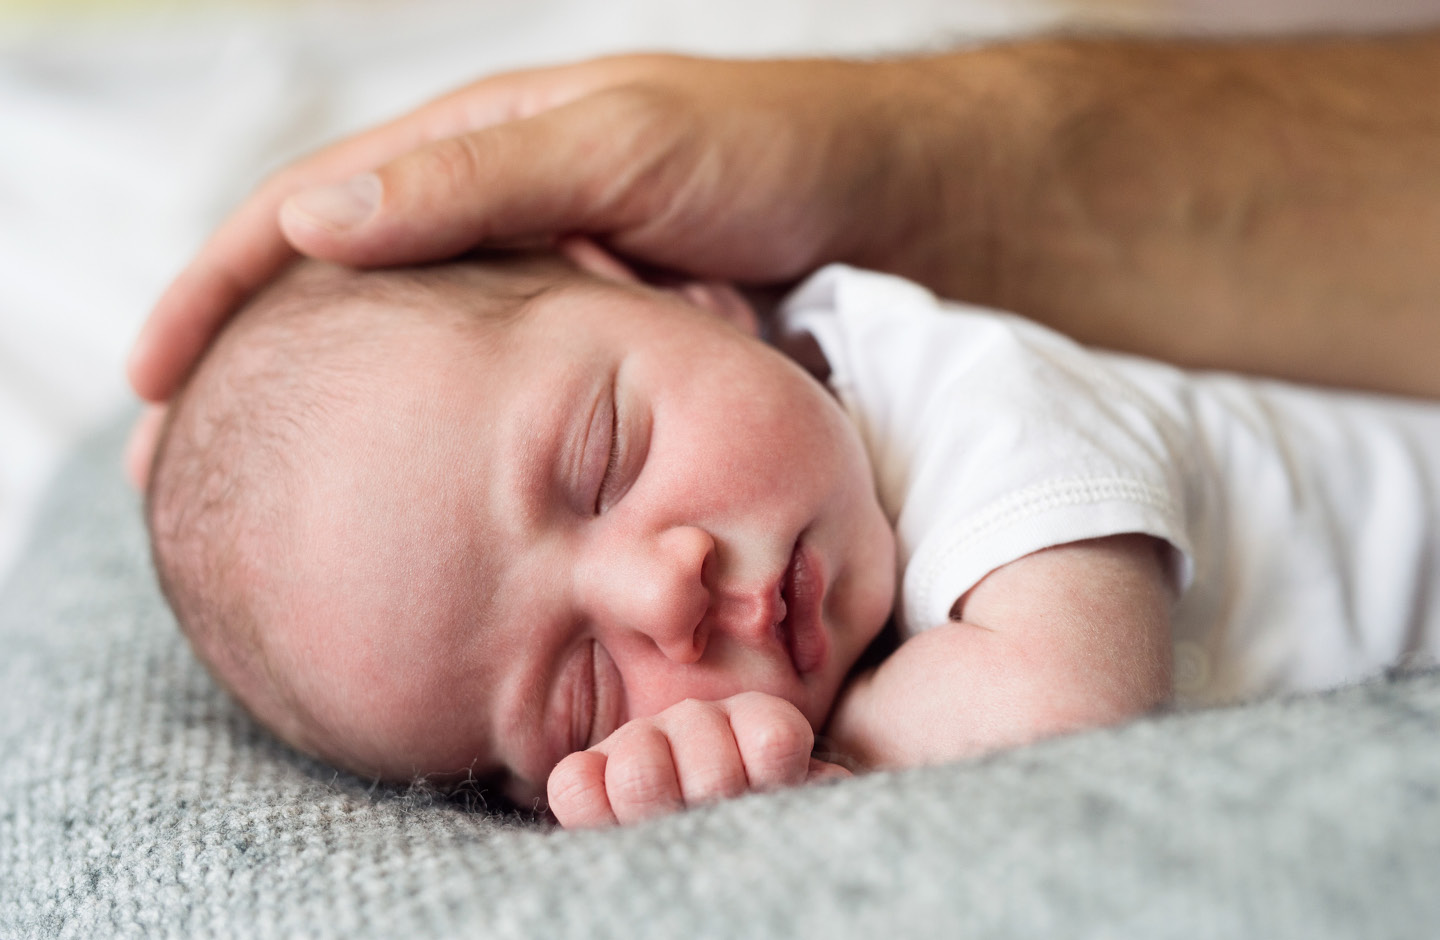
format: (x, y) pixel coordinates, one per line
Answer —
(691, 753)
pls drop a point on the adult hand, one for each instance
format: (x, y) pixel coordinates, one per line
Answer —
(691, 753)
(753, 171)
(1259, 206)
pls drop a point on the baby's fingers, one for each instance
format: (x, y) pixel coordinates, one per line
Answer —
(640, 777)
(708, 764)
(576, 791)
(774, 740)
(820, 771)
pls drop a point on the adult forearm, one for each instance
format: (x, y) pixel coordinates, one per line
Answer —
(1270, 206)
(1263, 206)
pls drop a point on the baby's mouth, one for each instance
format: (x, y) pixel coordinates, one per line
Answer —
(800, 630)
(783, 630)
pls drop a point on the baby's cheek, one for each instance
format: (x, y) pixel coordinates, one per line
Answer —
(652, 684)
(522, 793)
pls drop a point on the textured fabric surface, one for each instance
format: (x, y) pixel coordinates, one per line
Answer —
(135, 800)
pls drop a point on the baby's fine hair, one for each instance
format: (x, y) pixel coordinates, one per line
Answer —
(240, 433)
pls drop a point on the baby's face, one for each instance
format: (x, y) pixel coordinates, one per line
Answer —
(517, 542)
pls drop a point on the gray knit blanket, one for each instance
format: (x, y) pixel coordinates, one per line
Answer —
(137, 801)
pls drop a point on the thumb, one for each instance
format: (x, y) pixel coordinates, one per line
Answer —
(574, 168)
(140, 449)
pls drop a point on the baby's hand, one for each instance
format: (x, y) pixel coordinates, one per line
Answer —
(691, 753)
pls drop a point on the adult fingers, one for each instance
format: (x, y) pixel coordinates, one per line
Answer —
(599, 165)
(243, 254)
(249, 249)
(576, 791)
(140, 448)
(733, 170)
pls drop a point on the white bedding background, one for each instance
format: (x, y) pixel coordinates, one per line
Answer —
(125, 138)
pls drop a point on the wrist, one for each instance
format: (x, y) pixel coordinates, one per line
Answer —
(850, 735)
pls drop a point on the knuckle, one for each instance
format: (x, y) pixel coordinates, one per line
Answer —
(640, 771)
(698, 709)
(638, 99)
(640, 784)
(758, 701)
(775, 738)
(690, 717)
(456, 161)
(762, 707)
(781, 742)
(719, 783)
(572, 789)
(653, 117)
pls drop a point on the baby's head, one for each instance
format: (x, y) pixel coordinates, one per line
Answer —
(467, 519)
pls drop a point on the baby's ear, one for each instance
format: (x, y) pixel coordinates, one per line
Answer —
(590, 257)
(724, 301)
(717, 297)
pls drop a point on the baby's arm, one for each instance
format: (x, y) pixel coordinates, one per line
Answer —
(1067, 638)
(1063, 639)
(692, 752)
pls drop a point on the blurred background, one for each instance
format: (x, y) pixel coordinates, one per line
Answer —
(129, 127)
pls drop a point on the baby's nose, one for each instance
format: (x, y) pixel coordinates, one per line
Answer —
(660, 591)
(677, 614)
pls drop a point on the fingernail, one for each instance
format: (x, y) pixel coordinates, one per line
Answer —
(341, 206)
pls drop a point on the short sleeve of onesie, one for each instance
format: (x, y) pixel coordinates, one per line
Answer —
(991, 437)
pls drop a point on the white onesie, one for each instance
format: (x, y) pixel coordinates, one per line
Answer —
(1303, 522)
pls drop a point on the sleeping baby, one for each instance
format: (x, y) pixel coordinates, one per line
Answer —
(530, 519)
